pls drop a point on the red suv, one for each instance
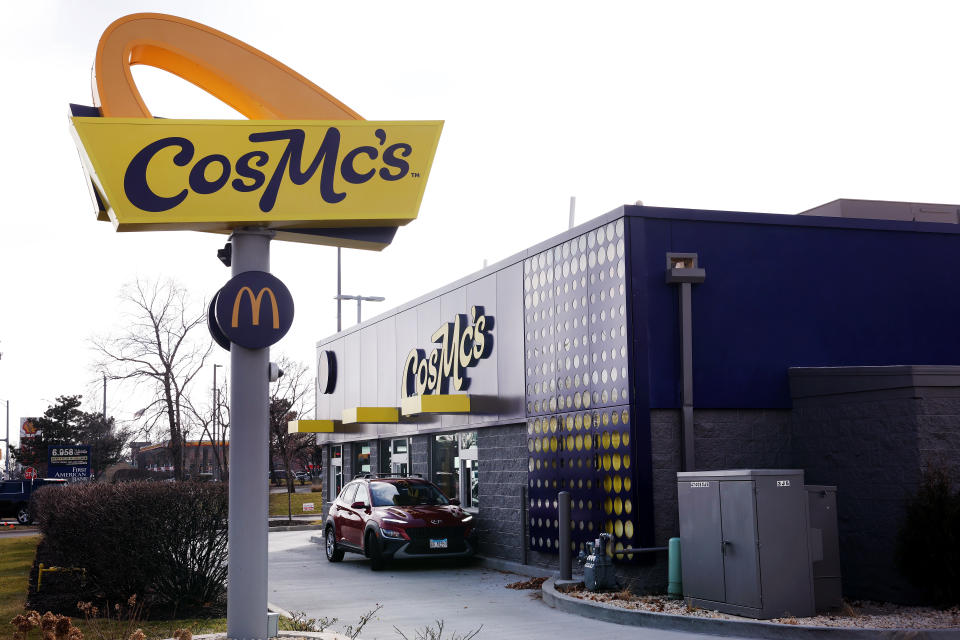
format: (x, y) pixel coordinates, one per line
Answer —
(397, 517)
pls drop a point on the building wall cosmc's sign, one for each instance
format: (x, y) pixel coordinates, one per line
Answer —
(463, 343)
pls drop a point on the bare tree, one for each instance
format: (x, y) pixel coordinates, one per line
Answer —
(288, 401)
(214, 426)
(159, 348)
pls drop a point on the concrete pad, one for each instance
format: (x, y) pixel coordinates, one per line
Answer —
(415, 594)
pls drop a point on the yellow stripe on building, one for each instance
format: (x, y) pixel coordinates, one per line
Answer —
(357, 415)
(311, 426)
(436, 403)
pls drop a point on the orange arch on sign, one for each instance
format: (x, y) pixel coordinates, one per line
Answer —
(250, 81)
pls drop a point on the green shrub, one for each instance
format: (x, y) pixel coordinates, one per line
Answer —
(162, 541)
(928, 543)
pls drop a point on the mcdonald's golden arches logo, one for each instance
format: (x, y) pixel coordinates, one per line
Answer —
(255, 302)
(242, 314)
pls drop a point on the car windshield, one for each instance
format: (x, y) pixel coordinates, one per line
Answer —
(405, 494)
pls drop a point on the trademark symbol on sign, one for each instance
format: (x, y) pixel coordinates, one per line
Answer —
(414, 174)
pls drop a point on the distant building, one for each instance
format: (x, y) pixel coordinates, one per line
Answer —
(197, 456)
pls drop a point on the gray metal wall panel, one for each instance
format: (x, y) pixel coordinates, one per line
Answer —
(351, 371)
(741, 569)
(388, 373)
(508, 343)
(451, 304)
(429, 317)
(321, 404)
(369, 366)
(337, 397)
(484, 386)
(407, 337)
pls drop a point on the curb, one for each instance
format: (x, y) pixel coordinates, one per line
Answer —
(298, 527)
(321, 635)
(738, 628)
(498, 564)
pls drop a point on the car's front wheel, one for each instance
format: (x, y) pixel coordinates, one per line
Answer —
(333, 553)
(374, 552)
(23, 514)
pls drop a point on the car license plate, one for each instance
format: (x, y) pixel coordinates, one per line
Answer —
(438, 543)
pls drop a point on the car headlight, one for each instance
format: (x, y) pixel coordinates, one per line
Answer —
(467, 519)
(394, 520)
(392, 534)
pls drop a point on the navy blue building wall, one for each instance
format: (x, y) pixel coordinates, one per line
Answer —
(784, 291)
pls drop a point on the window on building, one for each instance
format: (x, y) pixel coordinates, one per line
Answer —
(455, 467)
(361, 458)
(395, 456)
(336, 469)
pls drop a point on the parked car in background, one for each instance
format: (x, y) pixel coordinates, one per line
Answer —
(303, 477)
(15, 497)
(396, 517)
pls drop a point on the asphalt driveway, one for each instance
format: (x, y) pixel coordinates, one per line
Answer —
(414, 595)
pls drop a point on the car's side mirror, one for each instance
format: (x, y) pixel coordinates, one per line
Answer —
(359, 505)
(455, 502)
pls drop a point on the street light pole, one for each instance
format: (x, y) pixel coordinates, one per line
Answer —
(359, 299)
(215, 443)
(6, 442)
(338, 290)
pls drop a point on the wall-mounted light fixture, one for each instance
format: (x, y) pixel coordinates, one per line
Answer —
(683, 269)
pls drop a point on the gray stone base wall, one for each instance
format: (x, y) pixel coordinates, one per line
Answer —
(325, 465)
(502, 455)
(874, 452)
(724, 439)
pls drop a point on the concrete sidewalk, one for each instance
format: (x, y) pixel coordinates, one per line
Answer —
(414, 595)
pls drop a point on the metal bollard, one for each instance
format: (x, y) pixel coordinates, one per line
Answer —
(566, 560)
(675, 585)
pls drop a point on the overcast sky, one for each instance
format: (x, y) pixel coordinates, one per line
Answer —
(752, 106)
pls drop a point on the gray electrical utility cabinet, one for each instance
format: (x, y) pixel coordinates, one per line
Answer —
(824, 546)
(744, 539)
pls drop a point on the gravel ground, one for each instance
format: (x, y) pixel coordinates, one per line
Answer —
(859, 614)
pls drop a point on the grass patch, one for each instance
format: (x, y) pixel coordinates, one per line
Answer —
(153, 630)
(278, 503)
(16, 559)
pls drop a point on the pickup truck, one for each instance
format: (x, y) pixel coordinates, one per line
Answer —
(15, 497)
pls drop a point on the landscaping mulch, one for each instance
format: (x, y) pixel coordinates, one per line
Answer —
(854, 614)
(532, 583)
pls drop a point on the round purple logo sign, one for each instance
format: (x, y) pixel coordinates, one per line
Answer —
(254, 309)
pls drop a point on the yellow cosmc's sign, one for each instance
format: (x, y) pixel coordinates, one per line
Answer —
(216, 175)
(305, 164)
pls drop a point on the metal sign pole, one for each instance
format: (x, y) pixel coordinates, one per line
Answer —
(249, 445)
